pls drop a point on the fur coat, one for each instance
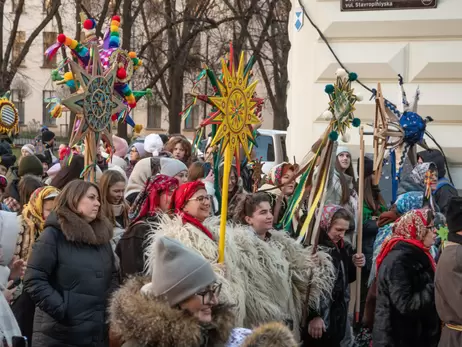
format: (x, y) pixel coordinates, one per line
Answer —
(144, 321)
(266, 281)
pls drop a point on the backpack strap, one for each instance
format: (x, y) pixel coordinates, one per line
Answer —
(443, 182)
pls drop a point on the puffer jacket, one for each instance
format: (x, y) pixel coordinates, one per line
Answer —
(70, 275)
(405, 314)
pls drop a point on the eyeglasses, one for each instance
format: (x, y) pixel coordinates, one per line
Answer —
(201, 198)
(210, 293)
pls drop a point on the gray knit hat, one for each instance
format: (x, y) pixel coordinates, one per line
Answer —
(178, 272)
(171, 167)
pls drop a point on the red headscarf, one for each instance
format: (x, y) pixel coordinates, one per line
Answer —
(148, 200)
(410, 228)
(182, 196)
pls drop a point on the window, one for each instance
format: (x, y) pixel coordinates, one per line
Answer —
(17, 97)
(46, 118)
(49, 38)
(154, 115)
(192, 122)
(265, 148)
(18, 46)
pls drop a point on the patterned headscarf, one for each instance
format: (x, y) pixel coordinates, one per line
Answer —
(327, 213)
(276, 173)
(410, 228)
(32, 214)
(409, 201)
(415, 181)
(147, 202)
(182, 196)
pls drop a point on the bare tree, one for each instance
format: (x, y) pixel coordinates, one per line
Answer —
(12, 54)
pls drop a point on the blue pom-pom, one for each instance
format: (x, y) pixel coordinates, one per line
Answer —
(333, 136)
(114, 42)
(329, 89)
(352, 76)
(356, 122)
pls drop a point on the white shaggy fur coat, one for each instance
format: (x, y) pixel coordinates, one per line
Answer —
(265, 281)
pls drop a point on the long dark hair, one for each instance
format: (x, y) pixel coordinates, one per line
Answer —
(248, 205)
(343, 181)
(26, 186)
(69, 172)
(373, 200)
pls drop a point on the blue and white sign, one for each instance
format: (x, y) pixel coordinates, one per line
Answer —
(298, 18)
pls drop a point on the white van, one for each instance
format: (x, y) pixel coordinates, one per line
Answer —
(271, 148)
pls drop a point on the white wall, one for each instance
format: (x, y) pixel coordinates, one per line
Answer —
(424, 46)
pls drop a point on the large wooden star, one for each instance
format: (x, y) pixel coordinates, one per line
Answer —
(96, 100)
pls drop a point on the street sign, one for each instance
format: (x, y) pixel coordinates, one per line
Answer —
(377, 5)
(298, 18)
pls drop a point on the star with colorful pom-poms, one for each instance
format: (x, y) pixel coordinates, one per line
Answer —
(342, 103)
(236, 110)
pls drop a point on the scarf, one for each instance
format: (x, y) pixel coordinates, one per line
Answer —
(142, 171)
(182, 196)
(147, 202)
(32, 214)
(410, 228)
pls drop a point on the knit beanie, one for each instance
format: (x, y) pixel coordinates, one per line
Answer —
(30, 165)
(140, 148)
(342, 149)
(47, 136)
(118, 161)
(153, 144)
(454, 214)
(28, 148)
(177, 272)
(120, 146)
(164, 138)
(171, 167)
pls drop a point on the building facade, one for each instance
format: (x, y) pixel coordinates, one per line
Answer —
(423, 45)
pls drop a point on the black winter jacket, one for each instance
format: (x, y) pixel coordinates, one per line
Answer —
(405, 314)
(334, 311)
(70, 276)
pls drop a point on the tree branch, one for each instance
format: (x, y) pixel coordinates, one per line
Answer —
(13, 33)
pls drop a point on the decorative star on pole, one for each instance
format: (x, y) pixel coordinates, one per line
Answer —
(96, 100)
(236, 110)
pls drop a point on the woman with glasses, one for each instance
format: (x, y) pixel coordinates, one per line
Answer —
(180, 306)
(405, 312)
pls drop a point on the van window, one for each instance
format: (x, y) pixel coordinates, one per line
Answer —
(265, 148)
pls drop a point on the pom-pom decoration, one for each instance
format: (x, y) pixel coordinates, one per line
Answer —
(341, 73)
(329, 89)
(333, 135)
(356, 122)
(352, 76)
(327, 115)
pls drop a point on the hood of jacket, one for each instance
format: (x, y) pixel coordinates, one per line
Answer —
(436, 157)
(9, 231)
(76, 229)
(152, 322)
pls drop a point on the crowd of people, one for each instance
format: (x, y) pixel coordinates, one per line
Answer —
(132, 259)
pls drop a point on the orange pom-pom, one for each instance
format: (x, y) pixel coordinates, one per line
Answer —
(68, 41)
(132, 54)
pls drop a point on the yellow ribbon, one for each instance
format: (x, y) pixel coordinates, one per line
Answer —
(454, 327)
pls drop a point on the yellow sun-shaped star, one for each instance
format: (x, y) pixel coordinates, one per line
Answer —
(236, 110)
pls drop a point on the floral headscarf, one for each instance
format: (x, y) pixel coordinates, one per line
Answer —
(415, 181)
(276, 173)
(147, 202)
(182, 196)
(326, 216)
(32, 214)
(410, 228)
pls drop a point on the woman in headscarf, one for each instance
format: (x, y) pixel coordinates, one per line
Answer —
(155, 199)
(406, 313)
(112, 185)
(136, 153)
(148, 167)
(175, 309)
(281, 174)
(328, 326)
(32, 222)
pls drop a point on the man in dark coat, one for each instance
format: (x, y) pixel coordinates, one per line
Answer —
(448, 279)
(444, 190)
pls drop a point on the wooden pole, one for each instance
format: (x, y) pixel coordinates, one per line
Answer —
(359, 242)
(224, 205)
